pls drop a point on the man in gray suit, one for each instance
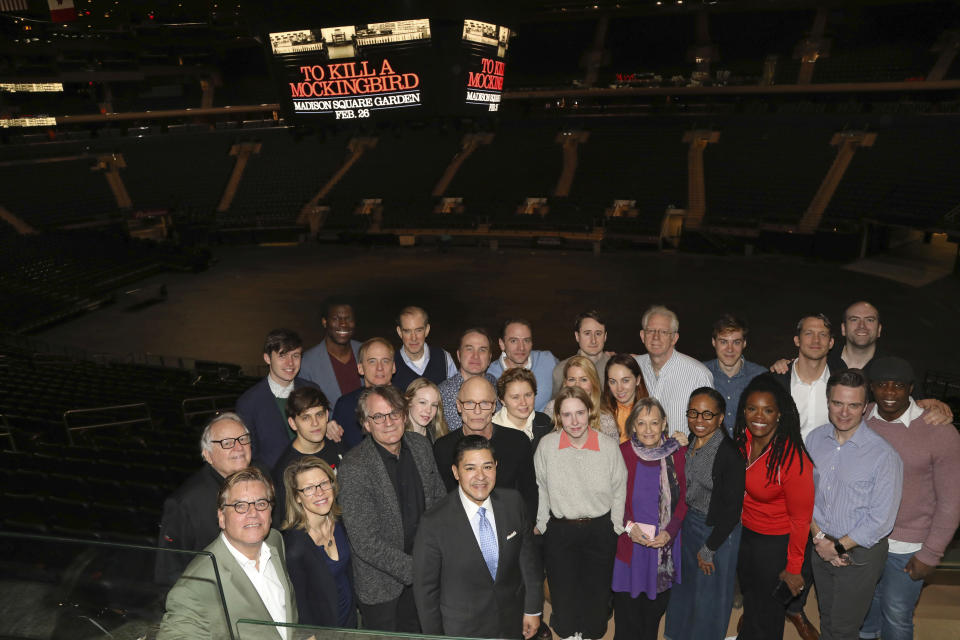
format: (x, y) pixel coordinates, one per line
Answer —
(252, 567)
(477, 571)
(386, 483)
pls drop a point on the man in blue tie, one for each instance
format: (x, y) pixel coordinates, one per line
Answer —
(474, 553)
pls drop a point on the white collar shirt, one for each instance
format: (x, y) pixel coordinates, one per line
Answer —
(263, 575)
(278, 390)
(811, 399)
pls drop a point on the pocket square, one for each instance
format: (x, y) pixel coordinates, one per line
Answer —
(512, 533)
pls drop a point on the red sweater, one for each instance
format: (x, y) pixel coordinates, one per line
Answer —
(930, 506)
(783, 506)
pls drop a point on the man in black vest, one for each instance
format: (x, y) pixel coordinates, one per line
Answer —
(416, 359)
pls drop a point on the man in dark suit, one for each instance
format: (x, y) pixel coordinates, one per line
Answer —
(263, 406)
(246, 547)
(332, 364)
(386, 483)
(477, 572)
(189, 518)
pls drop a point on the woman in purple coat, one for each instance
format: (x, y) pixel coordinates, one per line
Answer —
(648, 552)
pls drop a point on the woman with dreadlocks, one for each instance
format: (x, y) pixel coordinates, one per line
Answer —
(777, 506)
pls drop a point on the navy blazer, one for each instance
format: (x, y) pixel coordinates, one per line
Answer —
(316, 590)
(269, 431)
(315, 367)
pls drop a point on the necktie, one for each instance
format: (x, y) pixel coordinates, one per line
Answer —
(488, 543)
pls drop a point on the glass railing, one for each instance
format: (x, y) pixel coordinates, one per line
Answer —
(260, 630)
(68, 589)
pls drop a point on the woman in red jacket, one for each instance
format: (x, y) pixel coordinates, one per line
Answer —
(777, 506)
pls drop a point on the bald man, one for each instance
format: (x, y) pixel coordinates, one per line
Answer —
(476, 402)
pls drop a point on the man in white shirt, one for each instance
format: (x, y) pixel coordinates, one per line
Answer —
(252, 571)
(807, 375)
(669, 375)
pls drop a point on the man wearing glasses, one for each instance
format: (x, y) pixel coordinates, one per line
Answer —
(189, 518)
(252, 571)
(387, 481)
(476, 403)
(669, 375)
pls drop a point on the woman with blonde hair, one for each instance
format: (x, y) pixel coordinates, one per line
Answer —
(425, 410)
(318, 552)
(579, 371)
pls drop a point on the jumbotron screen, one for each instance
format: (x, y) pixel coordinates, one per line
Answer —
(485, 47)
(354, 72)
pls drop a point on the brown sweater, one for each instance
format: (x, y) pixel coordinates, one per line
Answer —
(930, 507)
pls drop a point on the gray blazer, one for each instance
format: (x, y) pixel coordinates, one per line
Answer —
(315, 366)
(371, 514)
(194, 608)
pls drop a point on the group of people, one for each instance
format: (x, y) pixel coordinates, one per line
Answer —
(436, 495)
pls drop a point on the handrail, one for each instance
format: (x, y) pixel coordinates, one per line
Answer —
(147, 419)
(211, 408)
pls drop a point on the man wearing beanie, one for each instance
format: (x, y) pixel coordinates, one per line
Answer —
(930, 507)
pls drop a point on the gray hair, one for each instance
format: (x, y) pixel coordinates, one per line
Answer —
(206, 440)
(660, 310)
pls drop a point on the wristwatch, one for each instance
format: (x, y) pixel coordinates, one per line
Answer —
(840, 548)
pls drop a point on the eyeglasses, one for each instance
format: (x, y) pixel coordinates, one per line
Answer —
(470, 405)
(311, 489)
(693, 414)
(660, 333)
(242, 507)
(379, 418)
(228, 443)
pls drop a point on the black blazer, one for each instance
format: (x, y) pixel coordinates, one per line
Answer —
(312, 581)
(514, 462)
(726, 501)
(454, 592)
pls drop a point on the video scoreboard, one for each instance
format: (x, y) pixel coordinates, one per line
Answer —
(389, 71)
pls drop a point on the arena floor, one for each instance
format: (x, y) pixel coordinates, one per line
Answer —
(225, 312)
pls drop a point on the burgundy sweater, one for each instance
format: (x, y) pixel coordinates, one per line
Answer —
(930, 507)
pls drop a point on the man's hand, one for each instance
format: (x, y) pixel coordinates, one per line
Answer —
(781, 366)
(937, 412)
(825, 550)
(917, 570)
(680, 437)
(530, 625)
(794, 581)
(334, 431)
(707, 567)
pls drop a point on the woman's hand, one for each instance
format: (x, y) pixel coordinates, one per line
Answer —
(680, 437)
(707, 567)
(793, 580)
(660, 541)
(637, 536)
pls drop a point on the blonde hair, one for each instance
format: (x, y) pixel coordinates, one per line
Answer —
(438, 426)
(579, 394)
(591, 370)
(296, 516)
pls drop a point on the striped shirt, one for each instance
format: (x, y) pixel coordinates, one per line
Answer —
(857, 484)
(678, 377)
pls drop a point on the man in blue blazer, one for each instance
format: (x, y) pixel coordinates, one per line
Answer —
(332, 364)
(263, 406)
(476, 569)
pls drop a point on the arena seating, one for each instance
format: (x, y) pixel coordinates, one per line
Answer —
(907, 177)
(48, 277)
(109, 484)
